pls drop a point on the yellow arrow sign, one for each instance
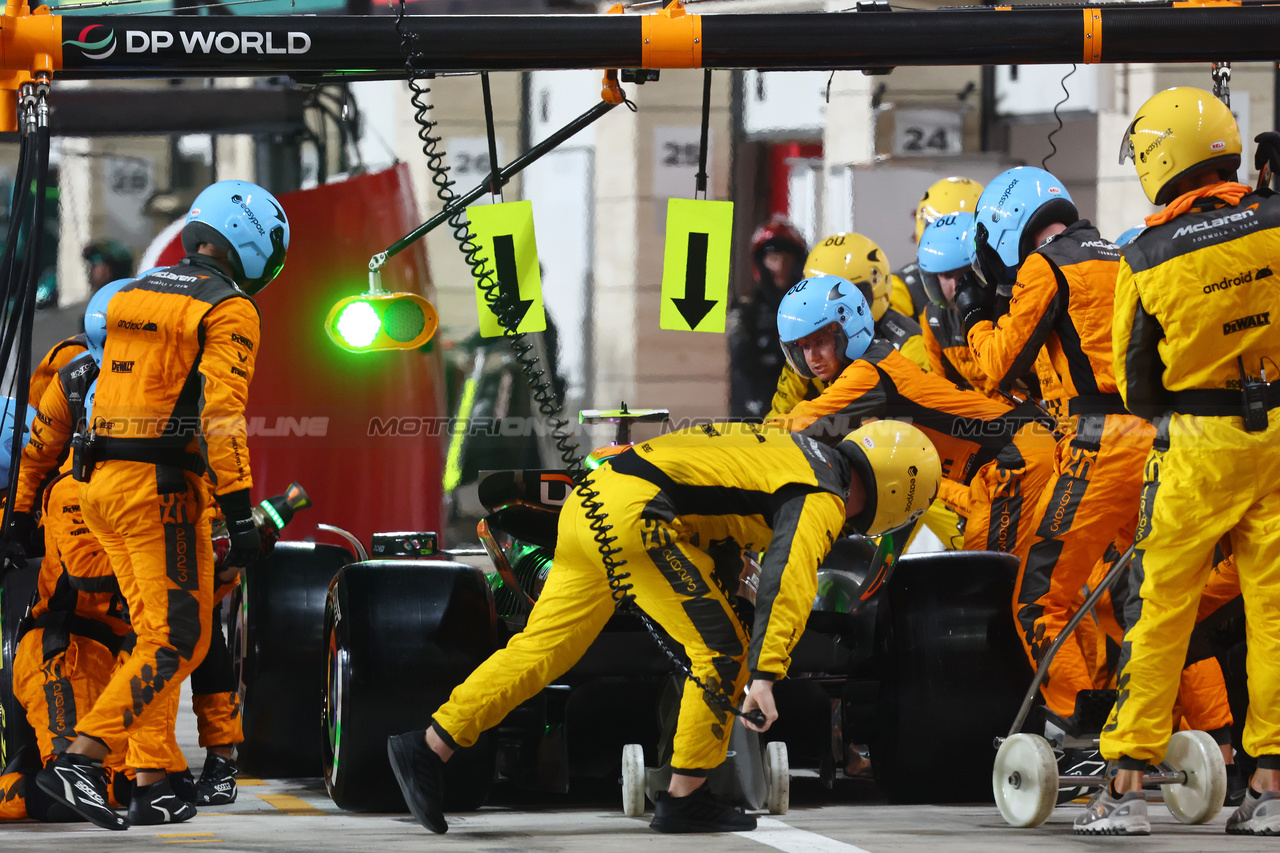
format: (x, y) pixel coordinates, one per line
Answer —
(504, 235)
(695, 268)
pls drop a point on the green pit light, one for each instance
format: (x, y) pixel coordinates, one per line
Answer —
(358, 324)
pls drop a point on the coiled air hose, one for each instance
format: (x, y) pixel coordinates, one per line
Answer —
(539, 384)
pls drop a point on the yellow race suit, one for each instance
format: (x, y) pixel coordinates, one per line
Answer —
(668, 499)
(1197, 302)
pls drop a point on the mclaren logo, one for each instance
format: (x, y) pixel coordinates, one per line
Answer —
(1250, 322)
(95, 42)
(135, 326)
(1208, 225)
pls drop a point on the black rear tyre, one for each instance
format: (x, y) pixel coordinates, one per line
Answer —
(278, 648)
(17, 588)
(401, 636)
(954, 677)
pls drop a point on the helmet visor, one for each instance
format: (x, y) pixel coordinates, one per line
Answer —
(933, 288)
(987, 263)
(1126, 143)
(795, 357)
(272, 266)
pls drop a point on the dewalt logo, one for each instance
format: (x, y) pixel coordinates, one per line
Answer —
(1251, 322)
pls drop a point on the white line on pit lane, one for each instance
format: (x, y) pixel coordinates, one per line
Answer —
(776, 834)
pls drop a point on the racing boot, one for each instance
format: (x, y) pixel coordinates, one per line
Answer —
(156, 804)
(79, 782)
(1259, 814)
(1110, 813)
(698, 812)
(420, 773)
(217, 784)
(184, 785)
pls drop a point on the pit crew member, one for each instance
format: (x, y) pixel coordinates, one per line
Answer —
(181, 354)
(1029, 236)
(756, 486)
(1194, 339)
(997, 457)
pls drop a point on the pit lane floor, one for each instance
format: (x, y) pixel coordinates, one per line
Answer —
(297, 815)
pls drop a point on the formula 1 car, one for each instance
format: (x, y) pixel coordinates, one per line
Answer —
(914, 655)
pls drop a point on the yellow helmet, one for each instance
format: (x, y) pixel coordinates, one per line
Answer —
(1178, 132)
(900, 469)
(854, 258)
(949, 195)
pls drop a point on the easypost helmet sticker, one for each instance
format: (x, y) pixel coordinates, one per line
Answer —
(868, 442)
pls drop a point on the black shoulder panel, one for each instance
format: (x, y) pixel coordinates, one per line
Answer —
(1079, 243)
(189, 280)
(1212, 224)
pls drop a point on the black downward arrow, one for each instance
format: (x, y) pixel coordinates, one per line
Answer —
(695, 305)
(504, 261)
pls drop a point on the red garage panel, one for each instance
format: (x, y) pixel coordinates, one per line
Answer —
(363, 433)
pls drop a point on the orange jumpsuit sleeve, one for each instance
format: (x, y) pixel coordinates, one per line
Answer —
(50, 435)
(232, 332)
(1008, 348)
(854, 396)
(804, 528)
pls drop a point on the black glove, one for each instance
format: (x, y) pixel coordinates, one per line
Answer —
(23, 538)
(1268, 152)
(974, 302)
(246, 543)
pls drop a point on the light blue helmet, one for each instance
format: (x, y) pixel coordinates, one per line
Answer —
(8, 410)
(1015, 206)
(817, 302)
(1130, 235)
(945, 246)
(248, 223)
(95, 317)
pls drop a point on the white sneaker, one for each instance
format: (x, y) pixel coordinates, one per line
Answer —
(1106, 815)
(1259, 814)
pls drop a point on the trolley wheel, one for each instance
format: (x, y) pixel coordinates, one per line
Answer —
(1025, 780)
(777, 774)
(1201, 798)
(633, 780)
